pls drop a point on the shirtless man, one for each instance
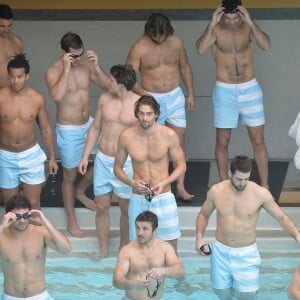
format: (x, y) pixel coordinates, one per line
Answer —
(151, 146)
(232, 36)
(68, 81)
(11, 44)
(23, 249)
(115, 112)
(144, 263)
(161, 59)
(235, 260)
(21, 157)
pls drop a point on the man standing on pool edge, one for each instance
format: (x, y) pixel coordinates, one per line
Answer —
(23, 249)
(235, 260)
(232, 36)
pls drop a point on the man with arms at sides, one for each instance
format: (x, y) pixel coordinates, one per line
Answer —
(235, 260)
(232, 36)
(68, 81)
(151, 146)
(23, 249)
(115, 112)
(11, 44)
(144, 263)
(294, 288)
(21, 157)
(161, 59)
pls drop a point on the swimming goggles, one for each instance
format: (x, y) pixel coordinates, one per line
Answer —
(25, 216)
(151, 195)
(153, 295)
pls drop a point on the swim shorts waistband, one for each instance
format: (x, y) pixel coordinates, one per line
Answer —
(237, 249)
(74, 127)
(22, 153)
(156, 197)
(109, 158)
(169, 93)
(242, 85)
(41, 296)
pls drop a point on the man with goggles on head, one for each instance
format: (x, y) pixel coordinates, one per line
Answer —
(68, 81)
(232, 36)
(23, 248)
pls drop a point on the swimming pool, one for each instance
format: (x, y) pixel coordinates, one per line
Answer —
(76, 277)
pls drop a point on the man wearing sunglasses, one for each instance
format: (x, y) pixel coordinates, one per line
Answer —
(151, 147)
(23, 248)
(237, 97)
(68, 81)
(144, 263)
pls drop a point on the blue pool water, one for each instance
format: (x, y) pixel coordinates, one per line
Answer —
(76, 277)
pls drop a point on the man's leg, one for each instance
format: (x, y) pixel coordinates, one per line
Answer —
(8, 193)
(173, 244)
(225, 294)
(181, 191)
(83, 184)
(223, 136)
(68, 194)
(256, 135)
(33, 193)
(124, 225)
(103, 223)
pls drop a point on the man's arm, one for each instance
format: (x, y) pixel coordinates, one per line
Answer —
(174, 267)
(203, 217)
(53, 237)
(277, 213)
(187, 76)
(98, 76)
(294, 288)
(208, 38)
(261, 38)
(133, 59)
(47, 134)
(92, 138)
(57, 79)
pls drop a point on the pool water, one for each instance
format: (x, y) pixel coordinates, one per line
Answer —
(77, 277)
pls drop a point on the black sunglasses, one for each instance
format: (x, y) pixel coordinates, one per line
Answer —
(231, 10)
(25, 216)
(151, 195)
(153, 295)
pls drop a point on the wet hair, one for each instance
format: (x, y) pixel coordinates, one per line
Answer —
(230, 6)
(241, 163)
(70, 40)
(158, 24)
(148, 216)
(124, 74)
(6, 12)
(17, 202)
(146, 100)
(19, 62)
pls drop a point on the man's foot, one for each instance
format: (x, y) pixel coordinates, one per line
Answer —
(76, 232)
(86, 201)
(183, 194)
(97, 256)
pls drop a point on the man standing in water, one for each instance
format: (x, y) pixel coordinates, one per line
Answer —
(235, 260)
(144, 263)
(68, 81)
(232, 36)
(11, 44)
(23, 249)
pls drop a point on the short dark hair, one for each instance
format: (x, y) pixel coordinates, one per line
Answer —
(70, 40)
(19, 62)
(124, 74)
(6, 12)
(17, 202)
(158, 24)
(230, 6)
(148, 216)
(146, 100)
(241, 163)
